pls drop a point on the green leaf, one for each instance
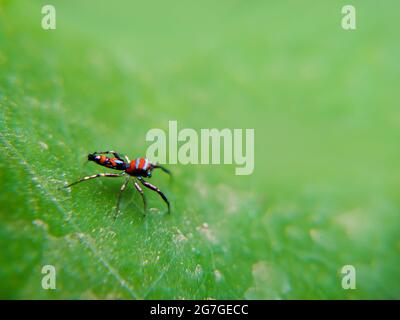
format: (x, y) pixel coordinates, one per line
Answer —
(324, 193)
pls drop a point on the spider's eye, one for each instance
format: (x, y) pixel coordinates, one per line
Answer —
(91, 157)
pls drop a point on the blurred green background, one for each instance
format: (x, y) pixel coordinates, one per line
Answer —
(324, 104)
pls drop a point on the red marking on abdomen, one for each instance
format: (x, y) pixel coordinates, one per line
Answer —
(132, 167)
(142, 161)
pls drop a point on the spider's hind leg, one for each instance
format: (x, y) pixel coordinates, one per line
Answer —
(139, 189)
(154, 188)
(157, 166)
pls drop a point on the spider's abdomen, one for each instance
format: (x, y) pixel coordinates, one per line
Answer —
(139, 167)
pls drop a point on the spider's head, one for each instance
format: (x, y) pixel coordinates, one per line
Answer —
(93, 157)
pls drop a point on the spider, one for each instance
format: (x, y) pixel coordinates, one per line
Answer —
(138, 169)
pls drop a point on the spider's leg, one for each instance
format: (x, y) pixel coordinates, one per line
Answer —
(138, 188)
(154, 188)
(115, 154)
(157, 166)
(107, 175)
(119, 197)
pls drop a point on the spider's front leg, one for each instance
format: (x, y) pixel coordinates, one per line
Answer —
(123, 187)
(115, 154)
(107, 175)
